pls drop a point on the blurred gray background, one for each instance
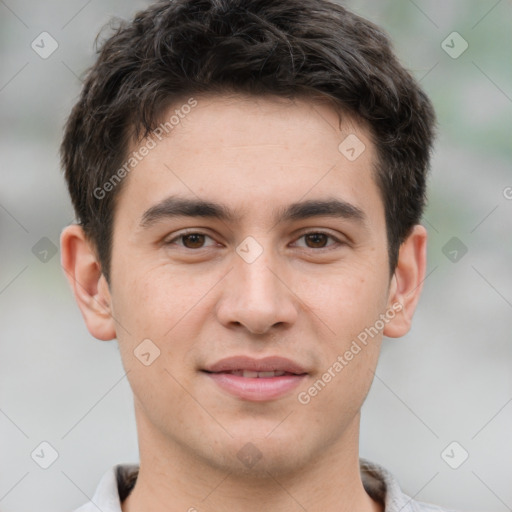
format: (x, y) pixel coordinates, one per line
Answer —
(449, 380)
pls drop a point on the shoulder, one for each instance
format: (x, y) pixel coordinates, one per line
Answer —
(382, 486)
(112, 489)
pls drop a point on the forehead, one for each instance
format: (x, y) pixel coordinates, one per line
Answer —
(254, 152)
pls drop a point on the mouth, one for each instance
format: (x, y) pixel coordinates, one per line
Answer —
(256, 379)
(250, 374)
(263, 366)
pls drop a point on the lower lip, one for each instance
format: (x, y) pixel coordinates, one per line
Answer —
(256, 389)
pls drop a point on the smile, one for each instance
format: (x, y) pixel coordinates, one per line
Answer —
(256, 386)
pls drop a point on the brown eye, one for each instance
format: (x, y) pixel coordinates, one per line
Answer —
(316, 240)
(193, 241)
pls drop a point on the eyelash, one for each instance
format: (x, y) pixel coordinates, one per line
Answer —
(338, 242)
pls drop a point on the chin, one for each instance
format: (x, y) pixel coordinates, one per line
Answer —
(260, 457)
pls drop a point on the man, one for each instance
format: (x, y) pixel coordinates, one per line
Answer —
(248, 178)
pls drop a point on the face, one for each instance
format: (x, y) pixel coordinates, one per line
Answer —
(287, 260)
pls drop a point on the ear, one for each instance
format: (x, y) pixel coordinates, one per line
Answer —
(407, 282)
(88, 283)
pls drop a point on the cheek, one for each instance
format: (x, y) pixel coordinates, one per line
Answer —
(341, 390)
(161, 313)
(349, 305)
(347, 300)
(151, 303)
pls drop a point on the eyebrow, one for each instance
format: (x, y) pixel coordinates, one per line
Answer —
(174, 206)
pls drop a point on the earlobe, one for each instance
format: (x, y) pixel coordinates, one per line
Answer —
(407, 282)
(89, 285)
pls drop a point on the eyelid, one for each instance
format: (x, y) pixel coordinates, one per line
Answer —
(309, 231)
(180, 234)
(338, 242)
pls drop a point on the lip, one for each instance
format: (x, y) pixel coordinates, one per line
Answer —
(266, 364)
(257, 389)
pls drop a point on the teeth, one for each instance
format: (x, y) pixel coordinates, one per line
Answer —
(269, 374)
(253, 375)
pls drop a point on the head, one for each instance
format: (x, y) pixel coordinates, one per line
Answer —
(248, 179)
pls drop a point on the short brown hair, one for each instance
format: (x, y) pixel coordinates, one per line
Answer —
(288, 48)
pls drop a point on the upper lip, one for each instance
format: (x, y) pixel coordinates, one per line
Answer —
(266, 364)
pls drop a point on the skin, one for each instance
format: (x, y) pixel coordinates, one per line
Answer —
(302, 298)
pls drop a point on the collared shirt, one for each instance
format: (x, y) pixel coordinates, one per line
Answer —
(117, 483)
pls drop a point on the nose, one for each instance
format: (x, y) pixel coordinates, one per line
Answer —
(257, 296)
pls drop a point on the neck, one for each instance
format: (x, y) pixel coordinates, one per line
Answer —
(172, 478)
